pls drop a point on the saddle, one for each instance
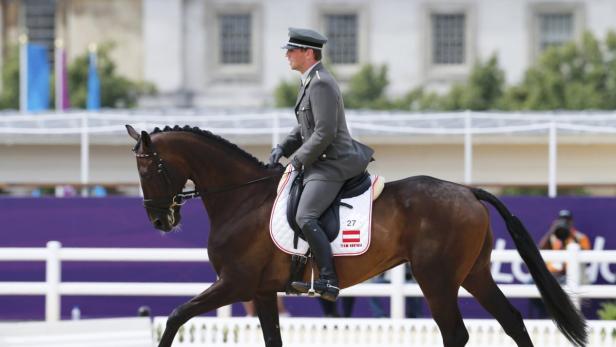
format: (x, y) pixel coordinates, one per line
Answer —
(330, 219)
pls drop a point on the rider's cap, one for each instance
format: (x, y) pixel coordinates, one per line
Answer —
(304, 38)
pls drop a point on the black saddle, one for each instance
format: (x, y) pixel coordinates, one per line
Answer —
(330, 219)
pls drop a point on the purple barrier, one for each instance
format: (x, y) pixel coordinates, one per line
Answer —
(122, 222)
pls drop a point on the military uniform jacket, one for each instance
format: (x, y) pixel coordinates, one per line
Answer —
(321, 139)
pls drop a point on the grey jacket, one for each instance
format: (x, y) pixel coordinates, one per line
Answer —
(321, 139)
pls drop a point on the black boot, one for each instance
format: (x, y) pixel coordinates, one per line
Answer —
(327, 284)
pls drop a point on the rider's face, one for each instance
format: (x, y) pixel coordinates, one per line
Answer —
(297, 59)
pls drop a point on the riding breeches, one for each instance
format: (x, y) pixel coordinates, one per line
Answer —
(316, 198)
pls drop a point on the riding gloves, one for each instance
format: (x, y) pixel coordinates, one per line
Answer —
(275, 155)
(297, 165)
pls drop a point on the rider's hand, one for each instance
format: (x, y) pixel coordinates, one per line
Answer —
(297, 165)
(275, 155)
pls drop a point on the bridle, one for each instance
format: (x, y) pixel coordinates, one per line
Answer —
(175, 199)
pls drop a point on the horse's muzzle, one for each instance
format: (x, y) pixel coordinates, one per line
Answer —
(161, 225)
(165, 221)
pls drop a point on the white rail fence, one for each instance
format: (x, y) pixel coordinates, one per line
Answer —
(116, 332)
(276, 123)
(54, 288)
(371, 332)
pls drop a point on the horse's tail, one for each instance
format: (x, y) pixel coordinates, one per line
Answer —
(567, 318)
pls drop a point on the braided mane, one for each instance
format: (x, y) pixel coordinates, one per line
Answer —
(211, 136)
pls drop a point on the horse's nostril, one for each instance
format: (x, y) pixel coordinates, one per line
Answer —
(157, 223)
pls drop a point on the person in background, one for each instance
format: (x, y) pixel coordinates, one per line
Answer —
(561, 233)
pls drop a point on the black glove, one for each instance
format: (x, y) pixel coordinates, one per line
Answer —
(297, 165)
(275, 155)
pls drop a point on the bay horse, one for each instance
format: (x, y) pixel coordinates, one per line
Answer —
(441, 228)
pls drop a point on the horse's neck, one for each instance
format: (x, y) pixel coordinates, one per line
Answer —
(225, 181)
(229, 208)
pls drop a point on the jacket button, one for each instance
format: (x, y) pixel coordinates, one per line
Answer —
(324, 156)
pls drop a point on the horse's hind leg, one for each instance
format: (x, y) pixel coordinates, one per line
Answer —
(442, 297)
(219, 294)
(267, 309)
(481, 284)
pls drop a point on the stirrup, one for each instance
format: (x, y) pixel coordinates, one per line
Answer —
(311, 291)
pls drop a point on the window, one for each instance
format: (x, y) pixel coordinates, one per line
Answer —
(40, 23)
(235, 39)
(342, 31)
(448, 39)
(555, 29)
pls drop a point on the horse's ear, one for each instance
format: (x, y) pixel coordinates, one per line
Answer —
(145, 139)
(132, 132)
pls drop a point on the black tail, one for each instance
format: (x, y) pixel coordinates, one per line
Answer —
(567, 318)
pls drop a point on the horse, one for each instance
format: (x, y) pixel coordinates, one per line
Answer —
(441, 228)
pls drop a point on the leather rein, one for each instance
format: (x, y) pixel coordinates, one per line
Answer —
(180, 198)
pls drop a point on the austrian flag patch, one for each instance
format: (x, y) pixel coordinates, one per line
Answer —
(350, 236)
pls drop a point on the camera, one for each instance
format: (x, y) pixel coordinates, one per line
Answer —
(561, 230)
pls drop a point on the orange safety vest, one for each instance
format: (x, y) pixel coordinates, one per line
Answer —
(556, 244)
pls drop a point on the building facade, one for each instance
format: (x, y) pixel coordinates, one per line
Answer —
(220, 53)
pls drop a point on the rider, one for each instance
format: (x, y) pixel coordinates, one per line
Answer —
(322, 147)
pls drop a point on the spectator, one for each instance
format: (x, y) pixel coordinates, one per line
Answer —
(562, 232)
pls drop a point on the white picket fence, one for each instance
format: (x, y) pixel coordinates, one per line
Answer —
(54, 288)
(373, 332)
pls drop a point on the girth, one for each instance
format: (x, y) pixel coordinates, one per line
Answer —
(330, 219)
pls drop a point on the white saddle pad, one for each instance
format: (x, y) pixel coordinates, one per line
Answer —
(355, 223)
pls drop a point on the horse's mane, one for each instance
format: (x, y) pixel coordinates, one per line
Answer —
(211, 136)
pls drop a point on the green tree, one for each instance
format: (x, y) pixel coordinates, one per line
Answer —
(367, 87)
(482, 91)
(285, 94)
(574, 76)
(485, 86)
(9, 99)
(116, 90)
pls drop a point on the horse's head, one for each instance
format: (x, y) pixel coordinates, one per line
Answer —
(162, 179)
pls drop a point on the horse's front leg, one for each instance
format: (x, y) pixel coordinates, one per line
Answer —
(219, 294)
(267, 310)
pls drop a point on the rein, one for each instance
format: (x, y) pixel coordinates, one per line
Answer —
(178, 199)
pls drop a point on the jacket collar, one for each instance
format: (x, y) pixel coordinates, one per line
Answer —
(314, 70)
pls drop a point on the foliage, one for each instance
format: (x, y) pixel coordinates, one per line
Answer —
(285, 94)
(116, 91)
(543, 191)
(570, 77)
(607, 311)
(366, 88)
(9, 99)
(574, 76)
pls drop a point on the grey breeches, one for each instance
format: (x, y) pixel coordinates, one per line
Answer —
(316, 198)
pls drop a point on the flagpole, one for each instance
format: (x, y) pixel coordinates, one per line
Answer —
(59, 83)
(23, 73)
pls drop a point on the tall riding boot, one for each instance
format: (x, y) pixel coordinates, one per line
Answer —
(327, 284)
